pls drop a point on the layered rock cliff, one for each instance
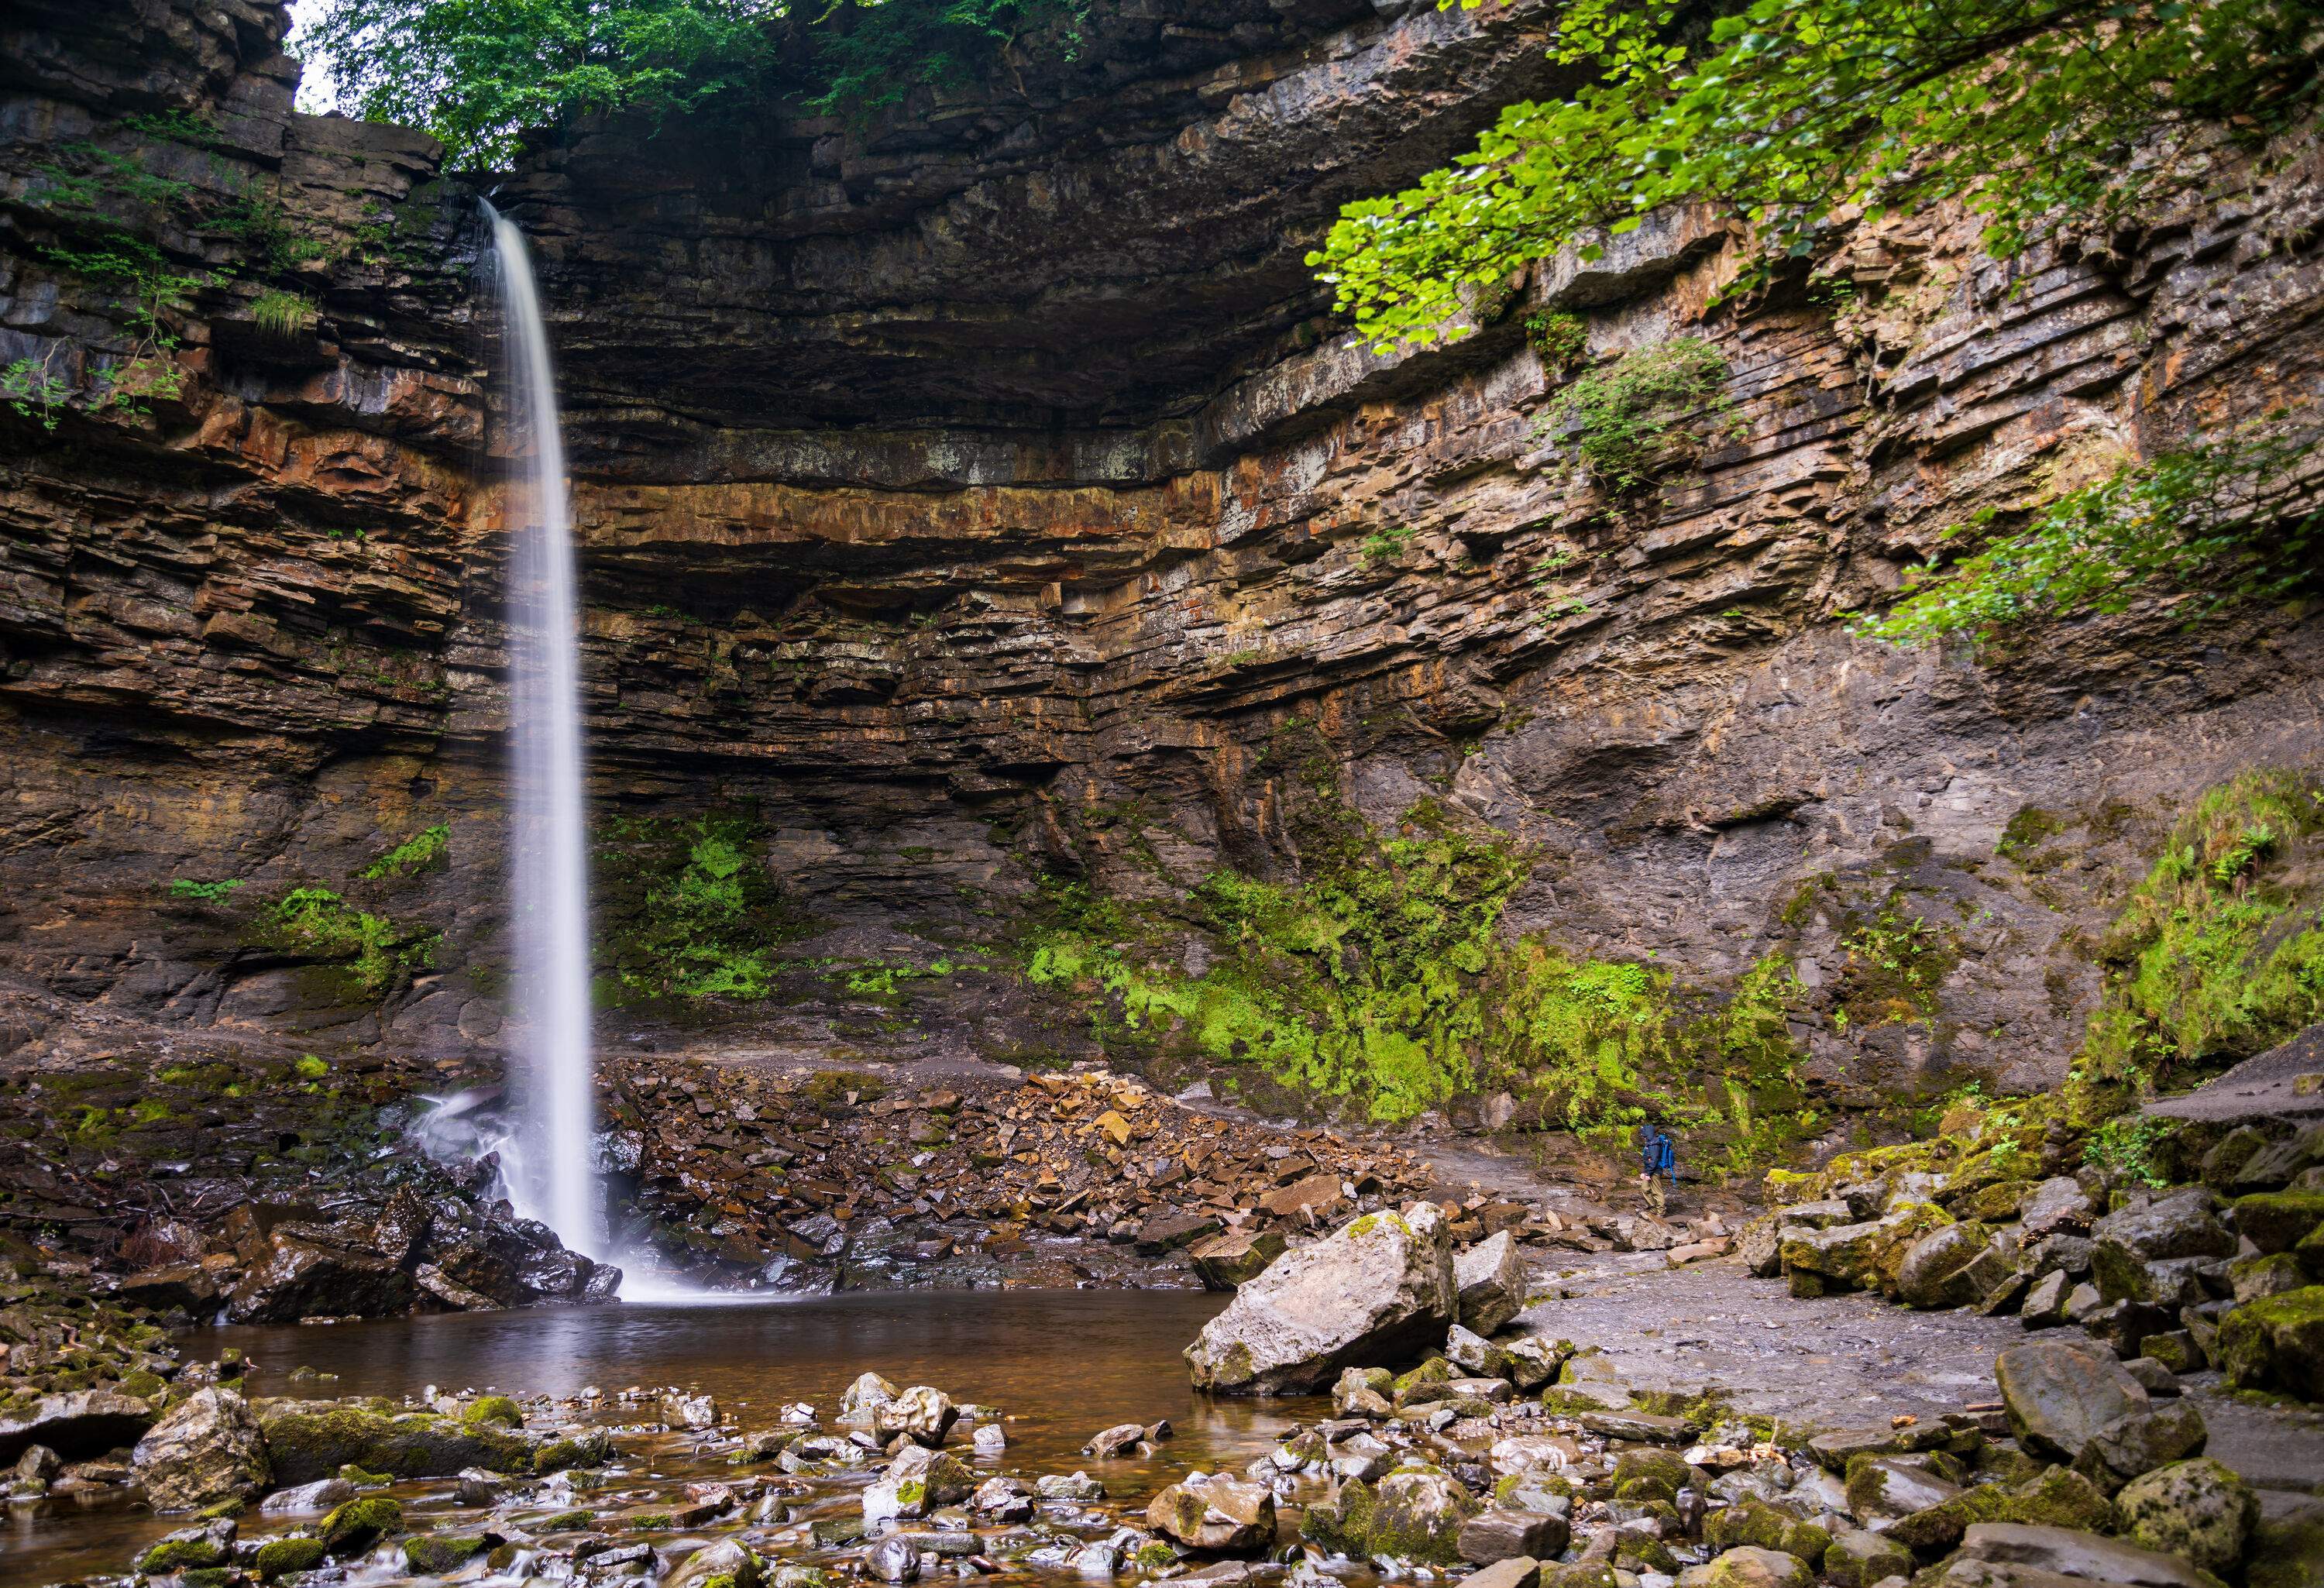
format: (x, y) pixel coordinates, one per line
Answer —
(986, 495)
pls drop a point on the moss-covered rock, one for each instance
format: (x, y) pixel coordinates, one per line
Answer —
(2287, 1551)
(359, 1524)
(439, 1553)
(279, 1558)
(2270, 1273)
(2198, 1509)
(1644, 1475)
(2278, 1221)
(307, 1440)
(1859, 1559)
(179, 1552)
(1866, 1256)
(1752, 1567)
(493, 1410)
(1760, 1525)
(2060, 1497)
(2275, 1343)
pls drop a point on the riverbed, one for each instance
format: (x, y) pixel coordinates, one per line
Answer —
(1059, 1364)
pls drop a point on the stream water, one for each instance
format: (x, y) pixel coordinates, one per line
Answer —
(1060, 1364)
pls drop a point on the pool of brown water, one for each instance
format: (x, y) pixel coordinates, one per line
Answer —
(1060, 1365)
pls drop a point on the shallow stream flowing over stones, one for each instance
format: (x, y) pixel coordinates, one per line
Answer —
(1058, 1365)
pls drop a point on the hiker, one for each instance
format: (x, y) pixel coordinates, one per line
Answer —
(1657, 1164)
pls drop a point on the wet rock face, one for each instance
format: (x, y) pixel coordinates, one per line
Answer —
(208, 1448)
(1055, 555)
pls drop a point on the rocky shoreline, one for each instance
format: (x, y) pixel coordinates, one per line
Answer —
(1451, 1445)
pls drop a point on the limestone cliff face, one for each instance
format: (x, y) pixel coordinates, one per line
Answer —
(987, 493)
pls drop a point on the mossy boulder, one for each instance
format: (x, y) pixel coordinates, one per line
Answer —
(359, 1524)
(726, 1564)
(1940, 1269)
(1418, 1516)
(1858, 1560)
(1415, 1514)
(193, 1548)
(2287, 1551)
(2278, 1221)
(307, 1440)
(1750, 1566)
(1757, 1523)
(2275, 1343)
(1866, 1256)
(2198, 1509)
(279, 1558)
(440, 1554)
(492, 1411)
(1641, 1476)
(2060, 1497)
(1371, 1292)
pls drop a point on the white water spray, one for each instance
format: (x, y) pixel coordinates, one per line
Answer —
(553, 1179)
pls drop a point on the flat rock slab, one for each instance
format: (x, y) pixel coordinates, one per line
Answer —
(2073, 1554)
(2266, 1086)
(1838, 1361)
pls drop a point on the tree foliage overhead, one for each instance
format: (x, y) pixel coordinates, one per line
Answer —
(2036, 113)
(481, 74)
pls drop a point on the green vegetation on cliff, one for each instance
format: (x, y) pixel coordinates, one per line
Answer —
(2219, 952)
(2225, 518)
(1795, 112)
(372, 949)
(684, 910)
(1385, 978)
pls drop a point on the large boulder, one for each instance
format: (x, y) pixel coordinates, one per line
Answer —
(1940, 1269)
(2059, 1395)
(921, 1414)
(1863, 1256)
(2198, 1508)
(208, 1448)
(302, 1276)
(1491, 1280)
(1373, 1292)
(2184, 1224)
(1748, 1565)
(2276, 1342)
(78, 1424)
(2057, 1206)
(2278, 1221)
(1216, 1512)
(2142, 1439)
(920, 1480)
(308, 1440)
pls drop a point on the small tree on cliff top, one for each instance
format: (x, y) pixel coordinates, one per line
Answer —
(481, 74)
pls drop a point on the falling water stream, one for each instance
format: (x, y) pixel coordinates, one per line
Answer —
(551, 1177)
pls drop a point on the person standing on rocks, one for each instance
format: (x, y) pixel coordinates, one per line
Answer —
(1657, 1165)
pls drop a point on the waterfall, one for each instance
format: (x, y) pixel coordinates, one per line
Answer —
(551, 1177)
